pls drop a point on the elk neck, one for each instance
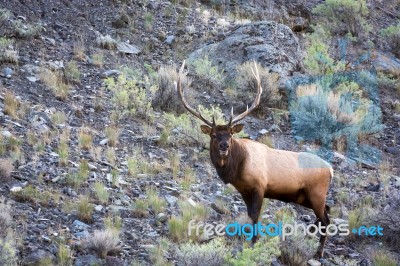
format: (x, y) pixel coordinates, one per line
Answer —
(230, 167)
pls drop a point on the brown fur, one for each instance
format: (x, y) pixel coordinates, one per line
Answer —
(258, 172)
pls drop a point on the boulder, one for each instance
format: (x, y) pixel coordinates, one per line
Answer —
(272, 44)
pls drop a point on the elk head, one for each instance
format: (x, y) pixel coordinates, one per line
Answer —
(220, 135)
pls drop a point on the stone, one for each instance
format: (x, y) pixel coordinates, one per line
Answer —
(109, 73)
(338, 221)
(87, 260)
(271, 44)
(340, 251)
(170, 39)
(7, 134)
(98, 208)
(36, 256)
(385, 63)
(263, 131)
(127, 48)
(171, 200)
(7, 72)
(313, 262)
(161, 217)
(103, 142)
(79, 225)
(32, 78)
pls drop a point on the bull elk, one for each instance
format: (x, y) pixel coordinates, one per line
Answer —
(258, 172)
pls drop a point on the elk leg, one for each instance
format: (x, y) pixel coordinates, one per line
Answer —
(253, 202)
(322, 215)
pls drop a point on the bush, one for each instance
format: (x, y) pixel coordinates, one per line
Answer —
(261, 254)
(129, 97)
(336, 108)
(344, 16)
(389, 219)
(246, 85)
(105, 242)
(318, 61)
(166, 97)
(392, 37)
(383, 258)
(205, 70)
(7, 253)
(7, 52)
(297, 250)
(6, 168)
(210, 254)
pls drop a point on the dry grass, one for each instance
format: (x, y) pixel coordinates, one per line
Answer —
(104, 243)
(79, 50)
(55, 82)
(6, 168)
(11, 104)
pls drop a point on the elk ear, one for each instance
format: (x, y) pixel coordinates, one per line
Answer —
(236, 128)
(205, 129)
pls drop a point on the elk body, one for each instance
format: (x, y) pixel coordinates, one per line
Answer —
(259, 172)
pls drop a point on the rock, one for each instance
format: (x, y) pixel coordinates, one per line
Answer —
(82, 234)
(98, 208)
(127, 48)
(299, 24)
(338, 221)
(7, 72)
(109, 73)
(340, 251)
(161, 217)
(15, 189)
(114, 261)
(32, 78)
(354, 255)
(306, 218)
(263, 131)
(272, 44)
(87, 260)
(79, 225)
(313, 262)
(7, 134)
(55, 65)
(171, 200)
(103, 142)
(37, 256)
(170, 39)
(396, 117)
(173, 191)
(393, 150)
(385, 63)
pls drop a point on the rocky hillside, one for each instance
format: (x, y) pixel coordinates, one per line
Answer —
(100, 164)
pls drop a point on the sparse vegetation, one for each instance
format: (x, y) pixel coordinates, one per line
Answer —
(166, 97)
(26, 30)
(106, 42)
(71, 72)
(392, 37)
(140, 208)
(11, 104)
(7, 52)
(85, 139)
(297, 250)
(104, 243)
(261, 254)
(112, 134)
(156, 203)
(101, 192)
(246, 85)
(204, 69)
(64, 255)
(6, 168)
(157, 254)
(344, 16)
(210, 254)
(54, 81)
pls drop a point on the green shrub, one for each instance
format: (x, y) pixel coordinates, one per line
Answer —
(246, 85)
(392, 37)
(344, 16)
(383, 258)
(204, 69)
(210, 254)
(318, 61)
(102, 193)
(7, 253)
(7, 53)
(130, 98)
(26, 30)
(71, 72)
(261, 254)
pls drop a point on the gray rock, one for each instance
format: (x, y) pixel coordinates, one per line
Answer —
(82, 234)
(111, 72)
(103, 142)
(32, 78)
(7, 134)
(272, 44)
(162, 217)
(385, 63)
(393, 150)
(127, 48)
(7, 72)
(338, 221)
(170, 39)
(98, 208)
(313, 262)
(87, 260)
(263, 131)
(171, 200)
(80, 225)
(35, 257)
(340, 251)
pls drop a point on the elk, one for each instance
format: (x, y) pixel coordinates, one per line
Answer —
(258, 172)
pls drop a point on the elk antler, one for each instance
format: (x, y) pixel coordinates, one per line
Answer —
(255, 103)
(194, 112)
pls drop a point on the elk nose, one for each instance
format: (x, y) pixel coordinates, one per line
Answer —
(224, 146)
